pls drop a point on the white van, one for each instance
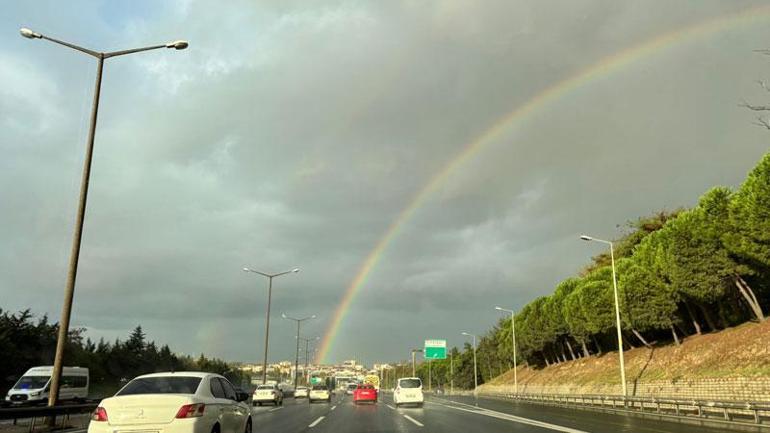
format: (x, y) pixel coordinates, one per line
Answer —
(33, 387)
(408, 391)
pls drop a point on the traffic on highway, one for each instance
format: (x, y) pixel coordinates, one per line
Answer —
(199, 402)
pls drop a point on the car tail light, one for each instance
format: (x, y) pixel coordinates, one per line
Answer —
(191, 410)
(100, 414)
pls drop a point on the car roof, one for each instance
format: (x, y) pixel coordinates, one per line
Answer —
(200, 374)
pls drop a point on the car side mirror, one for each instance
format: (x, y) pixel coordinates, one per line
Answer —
(241, 396)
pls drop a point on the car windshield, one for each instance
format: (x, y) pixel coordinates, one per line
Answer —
(266, 387)
(352, 386)
(32, 382)
(319, 388)
(410, 383)
(161, 385)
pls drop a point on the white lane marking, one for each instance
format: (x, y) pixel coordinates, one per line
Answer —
(334, 407)
(418, 423)
(275, 409)
(509, 417)
(315, 423)
(390, 406)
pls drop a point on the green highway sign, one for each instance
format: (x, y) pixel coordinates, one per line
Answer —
(435, 349)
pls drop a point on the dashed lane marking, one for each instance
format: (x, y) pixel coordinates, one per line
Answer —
(275, 409)
(417, 423)
(390, 406)
(315, 423)
(334, 407)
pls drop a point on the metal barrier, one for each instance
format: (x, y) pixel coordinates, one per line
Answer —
(33, 413)
(752, 412)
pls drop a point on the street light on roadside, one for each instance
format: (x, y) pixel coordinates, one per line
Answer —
(617, 309)
(475, 374)
(307, 353)
(296, 356)
(77, 236)
(513, 334)
(267, 318)
(413, 352)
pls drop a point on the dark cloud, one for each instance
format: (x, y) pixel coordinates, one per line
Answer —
(292, 135)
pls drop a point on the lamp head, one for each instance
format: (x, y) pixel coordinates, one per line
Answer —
(178, 45)
(29, 34)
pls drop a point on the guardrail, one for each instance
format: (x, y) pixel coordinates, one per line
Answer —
(757, 413)
(33, 413)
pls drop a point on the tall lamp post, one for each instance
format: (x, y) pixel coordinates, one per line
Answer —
(296, 355)
(307, 354)
(413, 352)
(267, 316)
(617, 310)
(475, 373)
(513, 334)
(72, 270)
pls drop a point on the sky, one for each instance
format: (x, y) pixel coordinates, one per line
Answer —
(293, 134)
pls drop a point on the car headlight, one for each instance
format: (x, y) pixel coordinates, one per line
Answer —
(34, 394)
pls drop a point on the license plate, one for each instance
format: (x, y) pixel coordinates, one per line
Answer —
(135, 431)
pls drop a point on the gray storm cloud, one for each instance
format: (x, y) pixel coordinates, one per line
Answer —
(293, 134)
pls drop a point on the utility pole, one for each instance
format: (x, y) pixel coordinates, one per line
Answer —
(267, 315)
(513, 337)
(430, 375)
(451, 373)
(617, 311)
(72, 270)
(413, 362)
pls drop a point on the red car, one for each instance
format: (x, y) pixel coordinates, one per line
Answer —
(365, 393)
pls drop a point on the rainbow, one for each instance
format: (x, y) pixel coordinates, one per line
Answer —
(603, 67)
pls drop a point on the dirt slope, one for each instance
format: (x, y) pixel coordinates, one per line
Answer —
(743, 351)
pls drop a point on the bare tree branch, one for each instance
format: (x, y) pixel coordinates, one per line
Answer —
(761, 121)
(765, 52)
(754, 107)
(763, 83)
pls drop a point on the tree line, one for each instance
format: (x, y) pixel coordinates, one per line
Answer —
(27, 342)
(679, 273)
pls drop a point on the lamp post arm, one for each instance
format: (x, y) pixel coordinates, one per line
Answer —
(131, 51)
(74, 47)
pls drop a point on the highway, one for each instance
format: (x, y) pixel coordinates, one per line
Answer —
(451, 414)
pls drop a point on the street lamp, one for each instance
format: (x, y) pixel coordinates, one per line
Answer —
(267, 319)
(513, 334)
(77, 236)
(475, 374)
(617, 309)
(413, 352)
(307, 353)
(296, 356)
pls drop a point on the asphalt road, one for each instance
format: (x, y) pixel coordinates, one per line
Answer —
(448, 415)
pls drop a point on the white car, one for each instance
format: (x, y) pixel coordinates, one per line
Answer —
(268, 394)
(408, 391)
(350, 388)
(319, 392)
(301, 392)
(179, 402)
